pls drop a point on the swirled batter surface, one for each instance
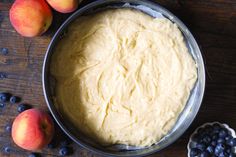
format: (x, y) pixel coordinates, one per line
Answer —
(123, 76)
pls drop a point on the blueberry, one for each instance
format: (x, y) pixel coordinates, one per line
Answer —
(4, 97)
(217, 152)
(232, 155)
(232, 142)
(3, 75)
(221, 140)
(210, 149)
(219, 148)
(200, 138)
(2, 105)
(4, 51)
(208, 129)
(195, 137)
(23, 107)
(216, 126)
(206, 139)
(211, 134)
(201, 146)
(14, 99)
(213, 143)
(34, 155)
(51, 145)
(7, 149)
(215, 137)
(223, 154)
(227, 138)
(200, 131)
(63, 151)
(223, 133)
(194, 152)
(229, 133)
(228, 150)
(8, 128)
(65, 142)
(204, 154)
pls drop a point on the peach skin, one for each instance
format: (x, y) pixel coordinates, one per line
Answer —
(32, 129)
(30, 17)
(64, 6)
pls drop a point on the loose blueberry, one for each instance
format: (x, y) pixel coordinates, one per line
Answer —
(3, 75)
(201, 146)
(51, 145)
(8, 128)
(23, 107)
(7, 149)
(2, 105)
(4, 51)
(14, 99)
(66, 142)
(204, 154)
(223, 133)
(232, 142)
(34, 155)
(221, 140)
(4, 97)
(210, 149)
(64, 151)
(223, 154)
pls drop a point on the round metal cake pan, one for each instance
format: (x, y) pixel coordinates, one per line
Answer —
(186, 117)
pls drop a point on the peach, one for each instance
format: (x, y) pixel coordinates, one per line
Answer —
(30, 17)
(32, 129)
(64, 6)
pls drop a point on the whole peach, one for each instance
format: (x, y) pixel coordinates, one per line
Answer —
(32, 129)
(30, 17)
(64, 6)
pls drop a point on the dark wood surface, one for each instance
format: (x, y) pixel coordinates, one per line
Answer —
(213, 23)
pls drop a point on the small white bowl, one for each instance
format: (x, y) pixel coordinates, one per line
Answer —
(226, 126)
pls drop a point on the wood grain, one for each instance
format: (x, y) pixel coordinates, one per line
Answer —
(213, 23)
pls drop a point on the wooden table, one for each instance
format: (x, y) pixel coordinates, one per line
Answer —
(213, 23)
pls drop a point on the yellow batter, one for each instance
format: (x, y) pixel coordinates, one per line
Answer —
(123, 76)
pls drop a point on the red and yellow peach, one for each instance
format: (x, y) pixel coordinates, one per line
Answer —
(32, 129)
(64, 6)
(30, 17)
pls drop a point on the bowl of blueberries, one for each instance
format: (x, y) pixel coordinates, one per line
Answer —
(212, 140)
